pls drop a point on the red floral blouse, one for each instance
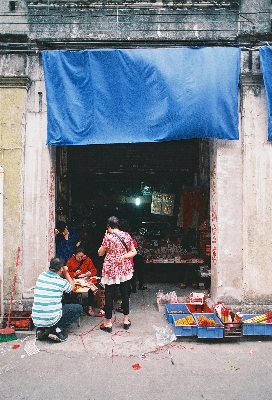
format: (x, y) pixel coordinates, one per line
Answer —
(114, 271)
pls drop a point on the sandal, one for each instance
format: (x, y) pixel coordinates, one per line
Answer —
(126, 326)
(101, 313)
(106, 328)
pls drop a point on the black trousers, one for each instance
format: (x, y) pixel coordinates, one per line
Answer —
(110, 291)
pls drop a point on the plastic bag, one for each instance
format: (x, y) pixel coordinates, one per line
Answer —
(165, 335)
(170, 297)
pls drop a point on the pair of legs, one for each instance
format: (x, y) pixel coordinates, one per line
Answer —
(70, 314)
(110, 291)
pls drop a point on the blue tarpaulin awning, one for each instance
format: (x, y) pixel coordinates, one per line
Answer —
(141, 95)
(266, 65)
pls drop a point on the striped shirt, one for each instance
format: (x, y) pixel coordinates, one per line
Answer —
(47, 305)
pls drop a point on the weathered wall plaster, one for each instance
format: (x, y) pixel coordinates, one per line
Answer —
(12, 125)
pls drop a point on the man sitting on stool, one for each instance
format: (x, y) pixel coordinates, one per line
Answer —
(48, 313)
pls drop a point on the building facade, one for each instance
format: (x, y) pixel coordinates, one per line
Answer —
(239, 171)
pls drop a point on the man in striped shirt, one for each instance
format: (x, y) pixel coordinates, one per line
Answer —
(49, 315)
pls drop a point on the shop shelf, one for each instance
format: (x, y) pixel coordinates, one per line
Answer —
(210, 332)
(175, 308)
(262, 329)
(184, 330)
(232, 329)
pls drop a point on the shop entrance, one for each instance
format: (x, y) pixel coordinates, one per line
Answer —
(161, 189)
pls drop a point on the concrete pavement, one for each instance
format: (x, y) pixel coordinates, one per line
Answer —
(126, 365)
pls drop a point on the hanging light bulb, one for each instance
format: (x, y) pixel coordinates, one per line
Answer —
(137, 201)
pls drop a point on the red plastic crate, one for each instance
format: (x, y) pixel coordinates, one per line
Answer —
(199, 308)
(19, 321)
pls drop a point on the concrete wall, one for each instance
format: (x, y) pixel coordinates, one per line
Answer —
(241, 209)
(257, 189)
(12, 125)
(28, 163)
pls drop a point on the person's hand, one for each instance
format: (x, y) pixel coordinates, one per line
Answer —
(122, 258)
(56, 232)
(78, 272)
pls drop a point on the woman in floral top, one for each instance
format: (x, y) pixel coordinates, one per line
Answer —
(118, 248)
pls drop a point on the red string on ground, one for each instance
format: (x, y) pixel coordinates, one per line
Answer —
(115, 321)
(118, 333)
(86, 333)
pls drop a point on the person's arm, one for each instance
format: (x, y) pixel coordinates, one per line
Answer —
(91, 267)
(101, 251)
(66, 276)
(130, 254)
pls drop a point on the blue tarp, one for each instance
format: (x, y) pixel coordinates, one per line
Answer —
(141, 95)
(266, 65)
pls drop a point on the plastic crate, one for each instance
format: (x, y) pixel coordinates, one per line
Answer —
(199, 308)
(210, 332)
(184, 330)
(19, 320)
(264, 329)
(175, 308)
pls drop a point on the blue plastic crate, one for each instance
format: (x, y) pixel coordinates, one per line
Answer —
(210, 332)
(184, 330)
(256, 328)
(175, 308)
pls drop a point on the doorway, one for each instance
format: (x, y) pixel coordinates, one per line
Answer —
(95, 182)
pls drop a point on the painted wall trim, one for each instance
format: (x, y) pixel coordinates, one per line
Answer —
(15, 81)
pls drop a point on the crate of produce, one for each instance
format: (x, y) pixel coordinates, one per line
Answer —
(209, 326)
(199, 308)
(176, 308)
(184, 325)
(257, 324)
(19, 320)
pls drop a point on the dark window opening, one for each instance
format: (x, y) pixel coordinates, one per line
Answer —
(12, 6)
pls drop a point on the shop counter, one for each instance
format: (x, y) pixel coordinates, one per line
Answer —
(172, 272)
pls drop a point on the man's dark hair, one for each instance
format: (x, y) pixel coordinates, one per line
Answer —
(60, 226)
(56, 264)
(113, 222)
